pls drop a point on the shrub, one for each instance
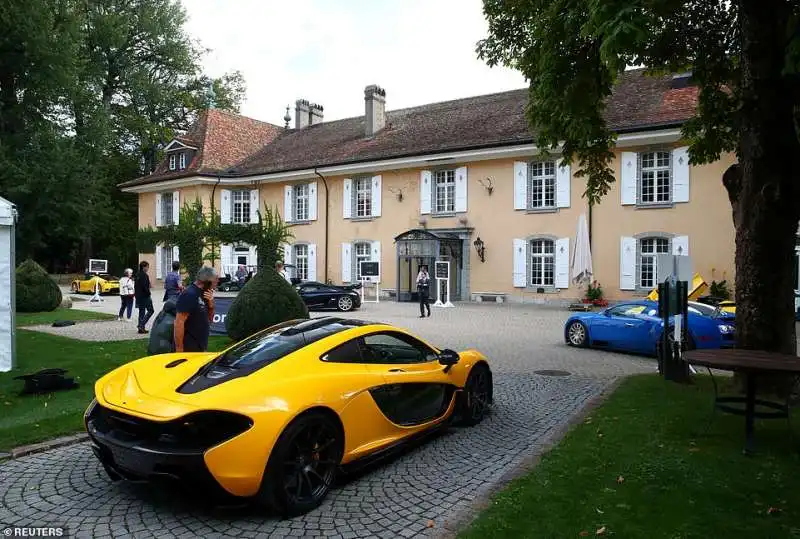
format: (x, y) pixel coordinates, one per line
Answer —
(265, 300)
(720, 290)
(36, 291)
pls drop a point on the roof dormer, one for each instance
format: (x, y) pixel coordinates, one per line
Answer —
(179, 155)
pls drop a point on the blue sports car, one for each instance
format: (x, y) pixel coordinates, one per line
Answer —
(635, 326)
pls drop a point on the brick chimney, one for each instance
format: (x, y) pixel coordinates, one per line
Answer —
(375, 109)
(302, 113)
(315, 114)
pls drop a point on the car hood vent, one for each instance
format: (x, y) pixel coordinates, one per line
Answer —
(175, 363)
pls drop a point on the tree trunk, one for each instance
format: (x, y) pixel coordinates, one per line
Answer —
(762, 188)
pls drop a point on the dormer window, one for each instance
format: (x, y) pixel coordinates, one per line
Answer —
(182, 160)
(173, 159)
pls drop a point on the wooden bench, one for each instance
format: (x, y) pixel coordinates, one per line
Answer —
(498, 297)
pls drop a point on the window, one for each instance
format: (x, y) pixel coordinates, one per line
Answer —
(182, 161)
(542, 263)
(542, 185)
(363, 197)
(167, 205)
(444, 191)
(650, 248)
(166, 261)
(627, 310)
(362, 254)
(654, 178)
(395, 348)
(348, 352)
(241, 207)
(301, 262)
(172, 161)
(300, 203)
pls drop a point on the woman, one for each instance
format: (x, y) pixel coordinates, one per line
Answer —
(126, 292)
(424, 291)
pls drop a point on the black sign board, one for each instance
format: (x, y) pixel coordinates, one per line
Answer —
(98, 266)
(370, 269)
(221, 306)
(443, 270)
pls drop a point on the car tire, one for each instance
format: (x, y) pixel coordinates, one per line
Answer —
(345, 303)
(313, 443)
(225, 288)
(477, 396)
(577, 334)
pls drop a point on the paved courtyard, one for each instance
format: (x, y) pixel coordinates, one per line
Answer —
(428, 491)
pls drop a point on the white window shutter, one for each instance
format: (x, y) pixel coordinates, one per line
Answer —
(347, 199)
(159, 256)
(312, 261)
(562, 263)
(312, 201)
(563, 181)
(347, 262)
(376, 195)
(254, 206)
(425, 191)
(627, 263)
(287, 204)
(520, 263)
(253, 257)
(520, 185)
(628, 181)
(176, 207)
(461, 189)
(158, 210)
(680, 174)
(376, 257)
(287, 253)
(225, 208)
(226, 258)
(680, 245)
(176, 254)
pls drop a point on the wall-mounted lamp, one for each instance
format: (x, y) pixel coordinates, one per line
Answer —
(398, 192)
(487, 184)
(478, 243)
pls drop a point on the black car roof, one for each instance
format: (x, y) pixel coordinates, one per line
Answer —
(315, 329)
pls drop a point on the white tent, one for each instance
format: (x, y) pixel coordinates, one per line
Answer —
(8, 332)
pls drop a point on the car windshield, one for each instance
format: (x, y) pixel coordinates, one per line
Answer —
(702, 309)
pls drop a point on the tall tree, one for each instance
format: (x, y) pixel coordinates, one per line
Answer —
(745, 57)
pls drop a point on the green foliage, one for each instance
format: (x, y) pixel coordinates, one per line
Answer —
(720, 289)
(273, 232)
(189, 235)
(265, 300)
(594, 291)
(146, 240)
(36, 291)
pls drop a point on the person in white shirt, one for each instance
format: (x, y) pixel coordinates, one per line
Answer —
(126, 293)
(282, 272)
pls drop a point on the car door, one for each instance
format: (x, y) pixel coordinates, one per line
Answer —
(622, 328)
(417, 390)
(312, 295)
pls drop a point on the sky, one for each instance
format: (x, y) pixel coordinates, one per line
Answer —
(328, 51)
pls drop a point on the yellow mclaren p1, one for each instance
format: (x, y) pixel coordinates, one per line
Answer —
(278, 415)
(106, 284)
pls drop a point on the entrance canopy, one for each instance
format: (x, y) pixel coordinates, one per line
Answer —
(419, 247)
(421, 242)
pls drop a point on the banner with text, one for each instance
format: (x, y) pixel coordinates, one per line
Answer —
(221, 306)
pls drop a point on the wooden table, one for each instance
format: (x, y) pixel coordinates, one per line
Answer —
(751, 364)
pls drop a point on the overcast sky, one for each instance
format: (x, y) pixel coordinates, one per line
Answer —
(327, 51)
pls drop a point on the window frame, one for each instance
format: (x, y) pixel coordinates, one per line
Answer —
(173, 161)
(449, 174)
(167, 208)
(655, 169)
(297, 198)
(358, 187)
(182, 161)
(296, 257)
(244, 194)
(529, 266)
(407, 339)
(357, 258)
(543, 189)
(640, 254)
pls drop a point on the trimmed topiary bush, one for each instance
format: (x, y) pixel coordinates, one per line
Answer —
(265, 300)
(36, 291)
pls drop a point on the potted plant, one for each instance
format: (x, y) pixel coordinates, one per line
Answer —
(594, 295)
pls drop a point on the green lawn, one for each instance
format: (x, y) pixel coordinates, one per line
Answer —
(635, 468)
(33, 319)
(27, 419)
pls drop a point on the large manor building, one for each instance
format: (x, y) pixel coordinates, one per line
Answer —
(459, 181)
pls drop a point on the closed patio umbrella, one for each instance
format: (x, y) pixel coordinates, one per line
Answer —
(582, 255)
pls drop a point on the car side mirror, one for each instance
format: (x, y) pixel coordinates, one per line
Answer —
(448, 358)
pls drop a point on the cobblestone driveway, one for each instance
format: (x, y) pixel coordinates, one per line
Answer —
(424, 492)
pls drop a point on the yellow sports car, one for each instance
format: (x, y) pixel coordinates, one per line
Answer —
(108, 284)
(276, 416)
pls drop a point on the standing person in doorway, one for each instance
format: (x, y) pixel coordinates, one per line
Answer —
(127, 290)
(424, 291)
(172, 282)
(144, 297)
(195, 311)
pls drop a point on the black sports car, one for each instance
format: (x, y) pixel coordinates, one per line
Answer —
(321, 296)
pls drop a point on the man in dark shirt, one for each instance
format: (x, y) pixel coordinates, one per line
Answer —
(144, 299)
(195, 311)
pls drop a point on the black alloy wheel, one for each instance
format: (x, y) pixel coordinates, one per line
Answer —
(303, 465)
(477, 395)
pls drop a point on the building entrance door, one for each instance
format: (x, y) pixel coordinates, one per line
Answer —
(408, 269)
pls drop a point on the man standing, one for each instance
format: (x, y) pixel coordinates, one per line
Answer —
(172, 282)
(195, 311)
(424, 291)
(282, 272)
(144, 299)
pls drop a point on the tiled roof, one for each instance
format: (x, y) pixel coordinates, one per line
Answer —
(638, 102)
(222, 139)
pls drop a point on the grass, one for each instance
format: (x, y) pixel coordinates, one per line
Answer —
(27, 419)
(635, 468)
(33, 319)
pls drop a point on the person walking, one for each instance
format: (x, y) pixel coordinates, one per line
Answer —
(172, 282)
(195, 312)
(424, 291)
(144, 297)
(127, 290)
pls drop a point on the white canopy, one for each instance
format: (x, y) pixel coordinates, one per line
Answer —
(582, 255)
